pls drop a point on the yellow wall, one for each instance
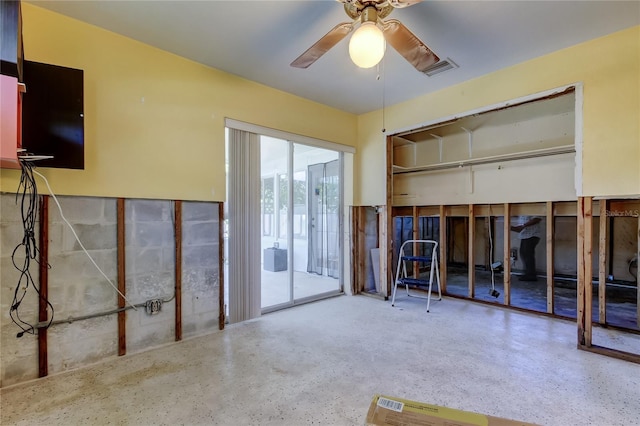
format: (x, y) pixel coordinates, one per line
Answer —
(171, 145)
(608, 67)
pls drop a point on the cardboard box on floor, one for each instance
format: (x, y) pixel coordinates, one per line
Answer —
(386, 410)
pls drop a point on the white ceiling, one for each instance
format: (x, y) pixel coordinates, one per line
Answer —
(258, 40)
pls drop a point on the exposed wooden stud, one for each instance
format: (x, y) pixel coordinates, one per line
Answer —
(458, 211)
(602, 262)
(470, 255)
(386, 231)
(614, 353)
(588, 268)
(565, 208)
(43, 260)
(386, 250)
(354, 247)
(443, 249)
(584, 212)
(402, 211)
(380, 230)
(550, 262)
(580, 317)
(221, 308)
(379, 225)
(428, 210)
(360, 261)
(528, 209)
(177, 232)
(488, 210)
(507, 253)
(356, 237)
(358, 222)
(122, 287)
(626, 208)
(585, 287)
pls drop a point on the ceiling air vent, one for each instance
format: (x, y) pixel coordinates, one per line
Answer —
(440, 67)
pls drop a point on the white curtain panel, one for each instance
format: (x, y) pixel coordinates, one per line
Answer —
(244, 225)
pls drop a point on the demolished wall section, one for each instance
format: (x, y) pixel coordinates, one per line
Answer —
(77, 288)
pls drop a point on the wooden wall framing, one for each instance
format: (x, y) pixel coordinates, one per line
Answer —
(358, 252)
(443, 248)
(471, 252)
(585, 285)
(121, 276)
(506, 261)
(584, 210)
(550, 252)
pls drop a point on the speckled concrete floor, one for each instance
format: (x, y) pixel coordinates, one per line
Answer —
(321, 364)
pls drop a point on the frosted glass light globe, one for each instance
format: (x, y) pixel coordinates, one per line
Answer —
(367, 45)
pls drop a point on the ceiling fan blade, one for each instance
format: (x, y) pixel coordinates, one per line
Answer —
(403, 3)
(321, 46)
(408, 45)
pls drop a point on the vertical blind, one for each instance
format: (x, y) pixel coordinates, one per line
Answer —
(244, 225)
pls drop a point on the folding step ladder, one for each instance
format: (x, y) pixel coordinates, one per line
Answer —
(430, 257)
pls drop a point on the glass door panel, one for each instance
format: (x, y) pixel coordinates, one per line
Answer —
(274, 200)
(316, 221)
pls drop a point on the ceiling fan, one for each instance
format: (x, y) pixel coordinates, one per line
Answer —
(369, 15)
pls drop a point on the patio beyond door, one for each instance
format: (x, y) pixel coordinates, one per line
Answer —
(300, 226)
(324, 208)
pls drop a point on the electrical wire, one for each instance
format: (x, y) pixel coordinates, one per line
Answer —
(28, 194)
(71, 319)
(80, 242)
(493, 284)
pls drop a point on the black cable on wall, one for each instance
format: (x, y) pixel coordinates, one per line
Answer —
(27, 250)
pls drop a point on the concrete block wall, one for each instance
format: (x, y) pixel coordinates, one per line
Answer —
(77, 288)
(150, 271)
(19, 356)
(200, 268)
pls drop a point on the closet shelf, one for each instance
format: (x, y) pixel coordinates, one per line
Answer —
(565, 149)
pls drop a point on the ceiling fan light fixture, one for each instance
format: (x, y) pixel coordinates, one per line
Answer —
(367, 45)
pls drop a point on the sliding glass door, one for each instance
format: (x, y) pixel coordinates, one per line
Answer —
(316, 215)
(300, 221)
(284, 215)
(274, 219)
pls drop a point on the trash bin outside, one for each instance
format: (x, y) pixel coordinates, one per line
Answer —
(275, 259)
